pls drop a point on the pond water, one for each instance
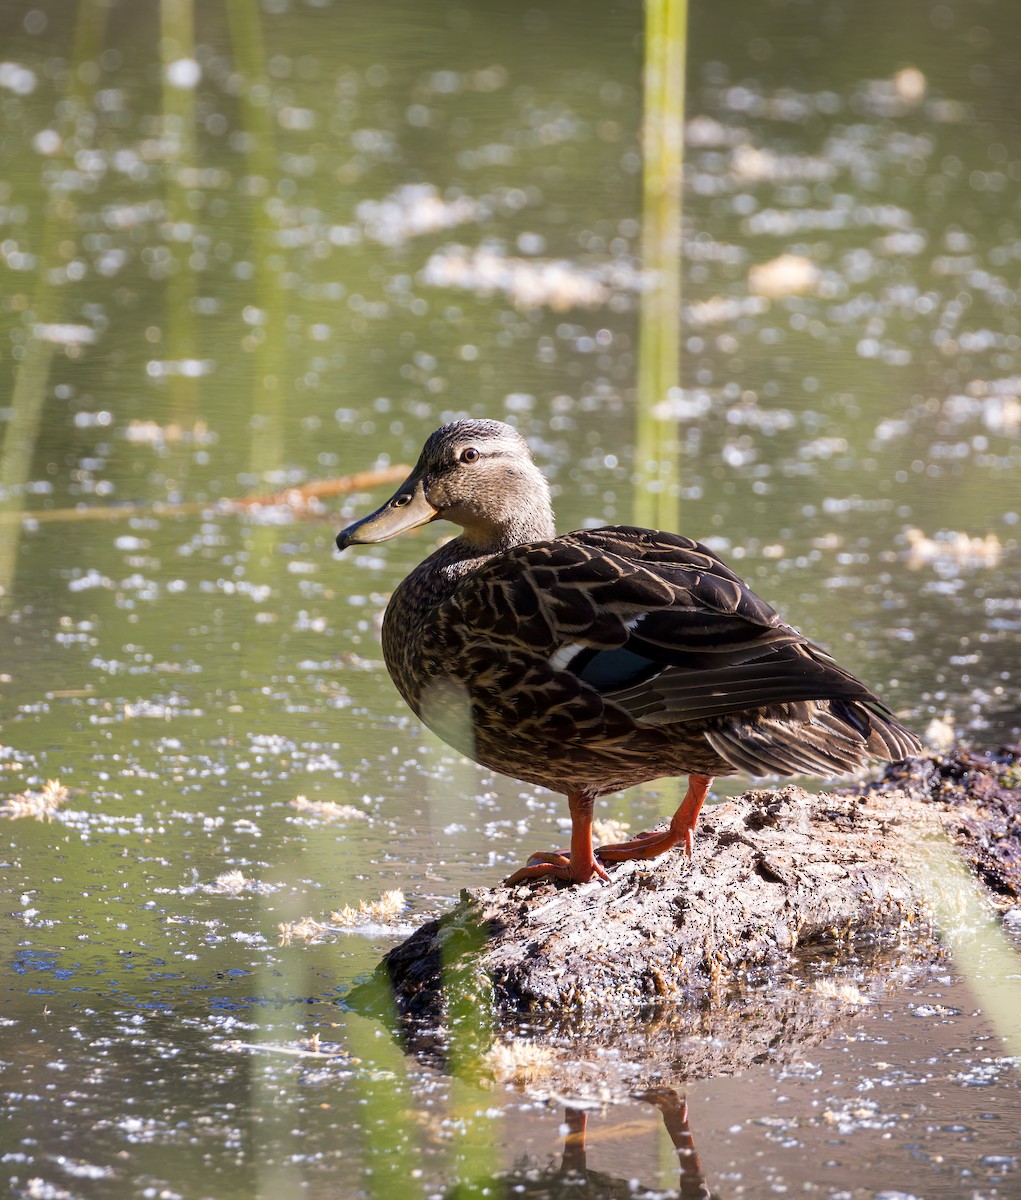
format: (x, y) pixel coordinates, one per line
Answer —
(250, 247)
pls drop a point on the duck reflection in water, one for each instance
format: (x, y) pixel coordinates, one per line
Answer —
(572, 1179)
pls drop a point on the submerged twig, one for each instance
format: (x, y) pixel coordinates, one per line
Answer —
(298, 499)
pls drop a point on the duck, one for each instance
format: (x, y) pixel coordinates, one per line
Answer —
(591, 661)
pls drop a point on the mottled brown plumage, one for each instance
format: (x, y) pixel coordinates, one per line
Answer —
(602, 658)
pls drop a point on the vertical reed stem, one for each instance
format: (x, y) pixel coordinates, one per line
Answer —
(267, 421)
(657, 446)
(17, 448)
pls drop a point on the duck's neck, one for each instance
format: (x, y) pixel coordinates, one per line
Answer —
(528, 524)
(478, 542)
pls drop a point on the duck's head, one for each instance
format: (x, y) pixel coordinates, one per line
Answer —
(478, 474)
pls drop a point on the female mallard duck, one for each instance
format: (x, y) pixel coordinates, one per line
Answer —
(599, 659)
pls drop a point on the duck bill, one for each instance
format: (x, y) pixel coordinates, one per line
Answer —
(406, 509)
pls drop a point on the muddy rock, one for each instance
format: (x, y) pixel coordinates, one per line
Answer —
(781, 877)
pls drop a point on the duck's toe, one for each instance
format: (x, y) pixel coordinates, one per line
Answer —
(556, 864)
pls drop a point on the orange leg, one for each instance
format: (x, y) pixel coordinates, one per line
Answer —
(573, 1161)
(675, 1117)
(577, 865)
(681, 828)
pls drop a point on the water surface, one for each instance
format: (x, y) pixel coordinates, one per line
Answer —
(284, 245)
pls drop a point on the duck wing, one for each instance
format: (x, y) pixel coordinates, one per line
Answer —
(654, 622)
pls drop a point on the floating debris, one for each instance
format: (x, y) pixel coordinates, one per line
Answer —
(17, 79)
(64, 334)
(910, 84)
(855, 1115)
(706, 132)
(233, 883)
(382, 911)
(1000, 401)
(754, 165)
(788, 275)
(305, 930)
(721, 310)
(40, 806)
(842, 990)
(609, 829)
(519, 1061)
(952, 549)
(310, 1047)
(41, 1189)
(150, 433)
(529, 283)
(844, 214)
(388, 906)
(412, 210)
(186, 368)
(940, 733)
(229, 883)
(328, 810)
(902, 93)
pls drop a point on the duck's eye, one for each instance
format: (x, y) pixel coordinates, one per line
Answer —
(470, 455)
(401, 500)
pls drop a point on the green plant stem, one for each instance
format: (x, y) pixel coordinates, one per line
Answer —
(48, 307)
(657, 446)
(267, 421)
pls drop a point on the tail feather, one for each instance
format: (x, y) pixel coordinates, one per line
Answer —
(885, 736)
(833, 738)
